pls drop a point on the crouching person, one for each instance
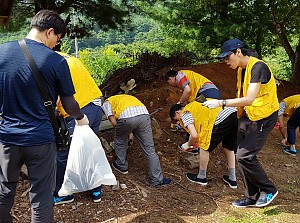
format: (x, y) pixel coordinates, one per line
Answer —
(208, 128)
(128, 114)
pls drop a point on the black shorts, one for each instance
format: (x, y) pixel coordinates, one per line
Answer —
(225, 132)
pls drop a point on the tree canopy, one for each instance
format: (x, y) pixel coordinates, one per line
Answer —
(81, 15)
(262, 24)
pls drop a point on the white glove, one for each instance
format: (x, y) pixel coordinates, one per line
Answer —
(185, 146)
(83, 121)
(188, 148)
(211, 103)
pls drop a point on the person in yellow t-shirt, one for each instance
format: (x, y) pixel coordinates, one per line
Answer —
(194, 85)
(129, 115)
(88, 96)
(207, 128)
(289, 107)
(257, 106)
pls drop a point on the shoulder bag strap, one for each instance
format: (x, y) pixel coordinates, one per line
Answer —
(41, 83)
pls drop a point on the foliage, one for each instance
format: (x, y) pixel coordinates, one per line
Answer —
(210, 22)
(10, 36)
(81, 15)
(101, 62)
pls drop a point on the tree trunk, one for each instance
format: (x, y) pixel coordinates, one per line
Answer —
(296, 65)
(42, 4)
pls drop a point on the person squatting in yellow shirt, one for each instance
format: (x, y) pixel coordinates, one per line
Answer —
(289, 107)
(193, 85)
(207, 129)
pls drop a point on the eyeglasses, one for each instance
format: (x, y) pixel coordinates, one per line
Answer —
(58, 39)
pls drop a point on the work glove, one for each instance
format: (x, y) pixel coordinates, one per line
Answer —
(211, 103)
(193, 149)
(83, 121)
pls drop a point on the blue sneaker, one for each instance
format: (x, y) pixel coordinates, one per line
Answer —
(265, 199)
(96, 195)
(64, 199)
(165, 182)
(290, 151)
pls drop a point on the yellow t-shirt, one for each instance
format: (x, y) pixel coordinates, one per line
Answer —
(85, 87)
(292, 103)
(204, 120)
(121, 102)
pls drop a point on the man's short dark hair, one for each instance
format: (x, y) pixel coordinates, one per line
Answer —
(46, 19)
(174, 109)
(170, 73)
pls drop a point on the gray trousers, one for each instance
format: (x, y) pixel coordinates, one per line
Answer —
(140, 126)
(41, 165)
(252, 136)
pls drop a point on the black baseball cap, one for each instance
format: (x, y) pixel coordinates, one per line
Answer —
(230, 45)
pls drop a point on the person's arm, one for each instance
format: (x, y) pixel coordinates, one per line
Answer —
(112, 120)
(247, 100)
(185, 94)
(71, 106)
(109, 113)
(282, 128)
(236, 102)
(193, 134)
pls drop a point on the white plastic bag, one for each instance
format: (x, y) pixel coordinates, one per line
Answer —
(87, 165)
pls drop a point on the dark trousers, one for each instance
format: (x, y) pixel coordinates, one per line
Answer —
(292, 124)
(250, 139)
(225, 132)
(211, 93)
(41, 165)
(94, 114)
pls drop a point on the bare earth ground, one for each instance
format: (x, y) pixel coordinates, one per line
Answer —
(183, 201)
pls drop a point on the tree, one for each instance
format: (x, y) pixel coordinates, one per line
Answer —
(263, 24)
(87, 13)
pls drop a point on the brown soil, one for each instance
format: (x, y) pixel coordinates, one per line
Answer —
(183, 201)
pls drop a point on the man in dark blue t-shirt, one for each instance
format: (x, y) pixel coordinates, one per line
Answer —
(26, 133)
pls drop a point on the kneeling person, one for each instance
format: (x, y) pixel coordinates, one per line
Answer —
(208, 128)
(128, 114)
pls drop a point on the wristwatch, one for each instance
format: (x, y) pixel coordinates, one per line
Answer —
(223, 104)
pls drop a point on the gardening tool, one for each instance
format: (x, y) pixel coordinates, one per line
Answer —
(156, 110)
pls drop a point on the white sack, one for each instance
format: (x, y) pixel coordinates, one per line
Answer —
(87, 165)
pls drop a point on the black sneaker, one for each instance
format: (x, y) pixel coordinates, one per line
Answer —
(265, 199)
(113, 164)
(63, 199)
(165, 182)
(231, 183)
(96, 195)
(244, 202)
(193, 178)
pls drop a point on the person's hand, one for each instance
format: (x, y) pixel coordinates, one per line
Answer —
(284, 142)
(211, 103)
(83, 121)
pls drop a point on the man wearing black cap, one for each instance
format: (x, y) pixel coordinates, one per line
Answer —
(257, 112)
